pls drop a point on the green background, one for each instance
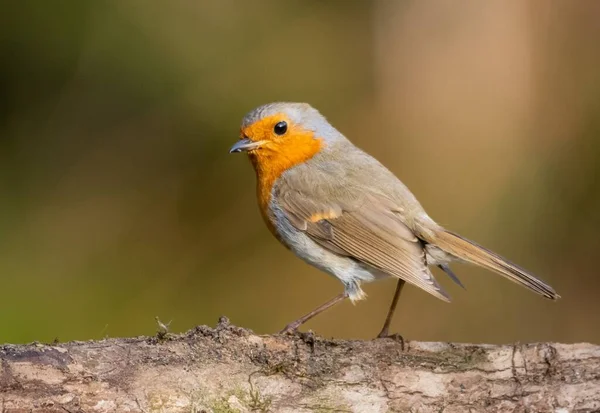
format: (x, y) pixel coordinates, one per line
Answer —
(119, 201)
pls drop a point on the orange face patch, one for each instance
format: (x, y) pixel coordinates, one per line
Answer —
(263, 129)
(278, 153)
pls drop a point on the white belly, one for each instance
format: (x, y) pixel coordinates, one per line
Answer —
(350, 272)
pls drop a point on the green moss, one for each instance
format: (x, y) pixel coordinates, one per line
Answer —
(259, 403)
(251, 399)
(222, 406)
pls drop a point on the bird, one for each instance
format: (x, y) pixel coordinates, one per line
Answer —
(342, 211)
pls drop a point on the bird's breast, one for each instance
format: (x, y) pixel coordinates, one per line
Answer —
(274, 160)
(267, 202)
(264, 194)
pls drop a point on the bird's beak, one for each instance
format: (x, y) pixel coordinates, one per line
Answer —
(245, 144)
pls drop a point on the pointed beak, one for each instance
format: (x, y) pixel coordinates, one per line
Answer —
(245, 145)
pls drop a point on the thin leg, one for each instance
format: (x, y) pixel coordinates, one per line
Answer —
(388, 320)
(292, 327)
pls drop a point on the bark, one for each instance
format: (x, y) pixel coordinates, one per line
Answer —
(230, 369)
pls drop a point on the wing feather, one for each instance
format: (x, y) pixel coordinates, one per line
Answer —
(366, 230)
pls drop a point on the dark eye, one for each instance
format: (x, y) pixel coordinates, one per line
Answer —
(280, 128)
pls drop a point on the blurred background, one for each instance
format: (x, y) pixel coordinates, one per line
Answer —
(119, 201)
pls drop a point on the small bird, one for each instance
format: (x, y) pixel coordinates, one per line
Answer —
(340, 210)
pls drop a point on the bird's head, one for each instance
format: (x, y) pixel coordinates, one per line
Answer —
(278, 136)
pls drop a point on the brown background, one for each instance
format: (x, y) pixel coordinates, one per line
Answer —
(118, 201)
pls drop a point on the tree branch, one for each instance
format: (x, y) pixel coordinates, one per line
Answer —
(230, 369)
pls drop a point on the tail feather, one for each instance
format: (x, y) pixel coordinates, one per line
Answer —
(469, 251)
(446, 268)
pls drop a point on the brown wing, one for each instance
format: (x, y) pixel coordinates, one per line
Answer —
(368, 231)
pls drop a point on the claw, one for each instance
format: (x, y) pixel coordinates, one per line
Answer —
(290, 329)
(396, 337)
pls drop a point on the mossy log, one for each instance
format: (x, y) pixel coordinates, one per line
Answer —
(231, 369)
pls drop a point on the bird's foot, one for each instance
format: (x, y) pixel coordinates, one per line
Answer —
(396, 337)
(290, 329)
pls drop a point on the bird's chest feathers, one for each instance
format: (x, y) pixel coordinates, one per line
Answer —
(271, 163)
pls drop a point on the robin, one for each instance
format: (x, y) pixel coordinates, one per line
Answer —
(342, 211)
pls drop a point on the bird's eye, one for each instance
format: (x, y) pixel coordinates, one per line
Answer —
(280, 128)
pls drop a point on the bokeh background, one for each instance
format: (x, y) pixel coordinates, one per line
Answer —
(119, 201)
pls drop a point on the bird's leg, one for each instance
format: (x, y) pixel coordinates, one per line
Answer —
(388, 320)
(292, 327)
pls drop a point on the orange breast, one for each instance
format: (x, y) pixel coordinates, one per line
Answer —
(264, 187)
(272, 161)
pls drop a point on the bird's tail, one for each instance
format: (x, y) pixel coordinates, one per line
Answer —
(469, 251)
